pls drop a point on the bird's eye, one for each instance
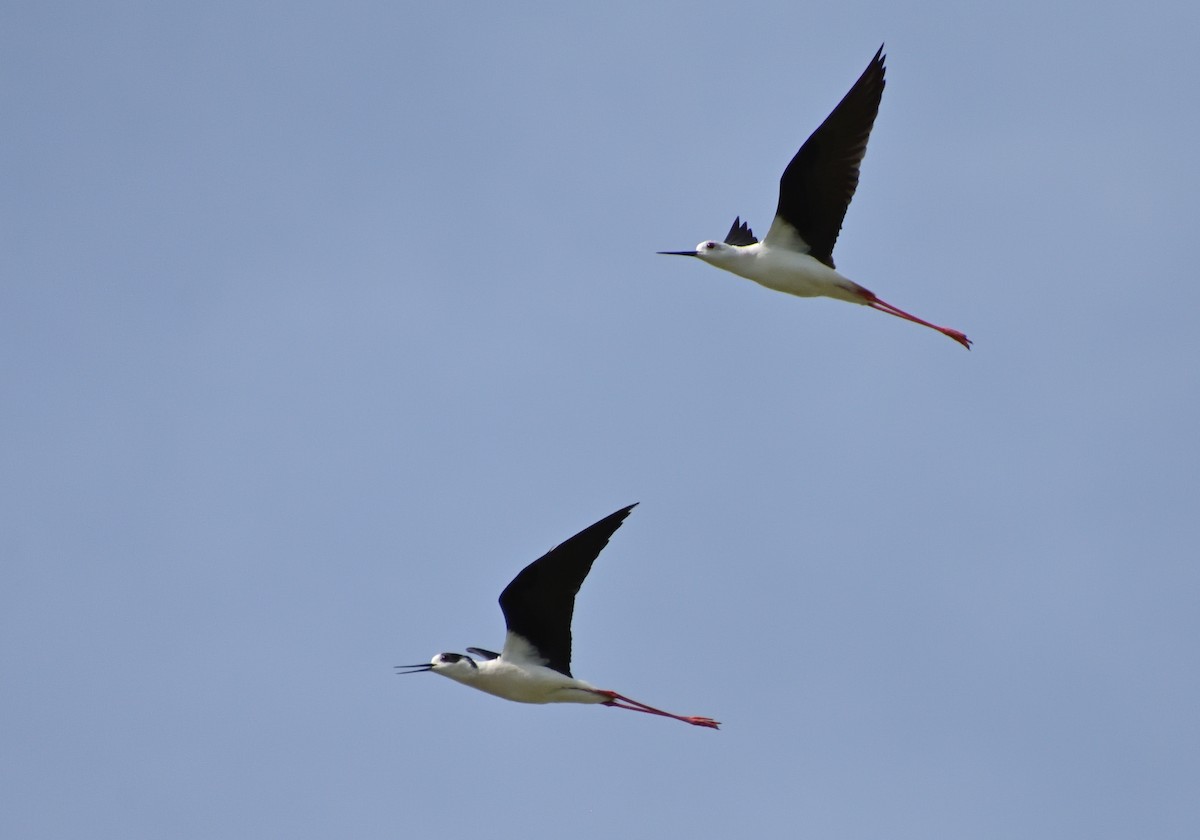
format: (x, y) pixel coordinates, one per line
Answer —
(710, 245)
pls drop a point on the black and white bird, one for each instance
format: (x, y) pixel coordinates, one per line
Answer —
(535, 664)
(797, 254)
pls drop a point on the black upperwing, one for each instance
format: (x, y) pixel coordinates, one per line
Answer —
(539, 602)
(817, 185)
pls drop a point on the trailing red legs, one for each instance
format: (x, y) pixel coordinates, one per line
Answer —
(883, 306)
(615, 700)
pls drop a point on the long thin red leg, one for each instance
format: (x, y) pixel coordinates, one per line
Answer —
(883, 306)
(616, 700)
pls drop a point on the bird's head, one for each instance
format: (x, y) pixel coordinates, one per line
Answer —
(456, 666)
(710, 250)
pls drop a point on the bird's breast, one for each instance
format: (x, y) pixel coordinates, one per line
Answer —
(793, 273)
(530, 684)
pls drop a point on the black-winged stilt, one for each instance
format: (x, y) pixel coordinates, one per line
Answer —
(535, 664)
(797, 254)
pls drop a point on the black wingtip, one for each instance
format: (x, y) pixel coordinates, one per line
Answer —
(616, 518)
(625, 511)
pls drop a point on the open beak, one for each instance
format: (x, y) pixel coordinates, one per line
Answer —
(679, 253)
(415, 669)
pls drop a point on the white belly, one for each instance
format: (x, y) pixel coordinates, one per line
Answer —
(792, 273)
(529, 684)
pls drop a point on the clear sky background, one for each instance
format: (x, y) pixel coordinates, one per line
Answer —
(319, 321)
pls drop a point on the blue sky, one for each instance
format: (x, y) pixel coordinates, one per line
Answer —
(318, 323)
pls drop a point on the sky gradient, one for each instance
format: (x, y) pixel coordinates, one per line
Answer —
(318, 323)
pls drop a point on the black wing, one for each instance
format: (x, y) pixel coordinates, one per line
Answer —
(740, 234)
(540, 601)
(484, 653)
(817, 185)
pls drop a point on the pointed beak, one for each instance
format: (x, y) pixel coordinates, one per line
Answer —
(679, 253)
(414, 669)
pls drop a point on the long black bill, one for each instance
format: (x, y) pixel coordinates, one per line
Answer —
(414, 669)
(678, 253)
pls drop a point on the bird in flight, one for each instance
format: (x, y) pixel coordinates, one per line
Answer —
(797, 254)
(535, 663)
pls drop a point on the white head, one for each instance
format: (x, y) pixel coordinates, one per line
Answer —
(456, 666)
(710, 250)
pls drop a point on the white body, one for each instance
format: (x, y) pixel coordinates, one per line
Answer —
(519, 675)
(782, 262)
(772, 263)
(523, 683)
